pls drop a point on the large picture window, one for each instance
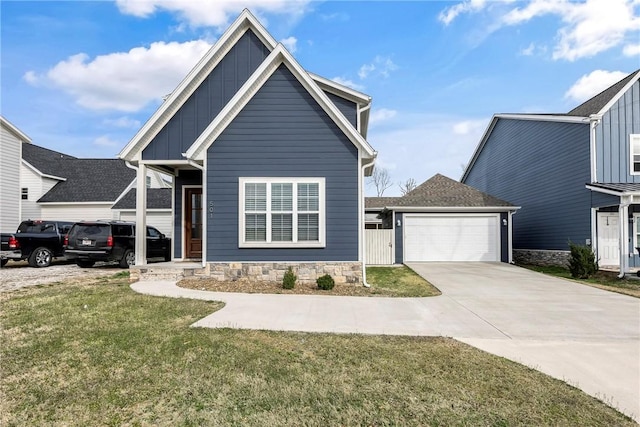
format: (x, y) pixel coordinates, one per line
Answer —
(634, 144)
(281, 212)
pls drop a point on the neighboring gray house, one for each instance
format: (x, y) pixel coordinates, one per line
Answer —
(268, 163)
(576, 176)
(11, 140)
(440, 220)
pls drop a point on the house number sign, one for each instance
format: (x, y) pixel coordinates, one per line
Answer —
(210, 210)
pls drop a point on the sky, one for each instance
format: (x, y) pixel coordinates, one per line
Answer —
(81, 77)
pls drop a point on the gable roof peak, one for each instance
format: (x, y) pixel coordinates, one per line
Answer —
(601, 102)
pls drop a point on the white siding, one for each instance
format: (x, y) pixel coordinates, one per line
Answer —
(77, 211)
(10, 155)
(37, 187)
(160, 219)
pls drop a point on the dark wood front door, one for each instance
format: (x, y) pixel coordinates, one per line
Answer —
(193, 222)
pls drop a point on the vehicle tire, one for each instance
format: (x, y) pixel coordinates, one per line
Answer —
(40, 257)
(128, 259)
(83, 263)
(4, 262)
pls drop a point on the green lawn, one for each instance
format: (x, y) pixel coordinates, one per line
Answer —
(400, 282)
(100, 354)
(606, 280)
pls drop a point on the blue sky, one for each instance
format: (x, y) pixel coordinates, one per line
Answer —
(81, 77)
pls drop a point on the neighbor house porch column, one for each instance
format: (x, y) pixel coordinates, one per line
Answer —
(623, 227)
(141, 214)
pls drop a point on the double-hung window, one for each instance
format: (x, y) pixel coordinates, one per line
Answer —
(634, 144)
(281, 212)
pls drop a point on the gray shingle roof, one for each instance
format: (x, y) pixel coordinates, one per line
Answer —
(621, 187)
(595, 104)
(47, 161)
(379, 202)
(157, 198)
(90, 180)
(440, 191)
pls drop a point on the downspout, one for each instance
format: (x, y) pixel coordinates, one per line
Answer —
(594, 121)
(361, 228)
(511, 214)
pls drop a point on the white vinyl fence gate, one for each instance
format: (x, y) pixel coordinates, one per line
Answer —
(379, 247)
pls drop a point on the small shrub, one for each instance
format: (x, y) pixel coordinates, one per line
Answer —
(289, 280)
(582, 263)
(325, 282)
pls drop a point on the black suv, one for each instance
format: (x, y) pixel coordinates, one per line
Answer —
(114, 241)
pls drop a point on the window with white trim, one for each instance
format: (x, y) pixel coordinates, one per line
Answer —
(281, 212)
(636, 232)
(634, 145)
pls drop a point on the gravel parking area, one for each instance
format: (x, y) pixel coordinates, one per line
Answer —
(16, 275)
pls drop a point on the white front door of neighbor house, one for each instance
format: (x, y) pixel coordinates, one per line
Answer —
(608, 239)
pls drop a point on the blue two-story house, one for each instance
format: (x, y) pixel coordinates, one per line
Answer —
(268, 163)
(575, 175)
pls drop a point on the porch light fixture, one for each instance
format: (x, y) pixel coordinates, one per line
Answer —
(398, 223)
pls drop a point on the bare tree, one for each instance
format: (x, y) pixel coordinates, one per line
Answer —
(381, 180)
(407, 186)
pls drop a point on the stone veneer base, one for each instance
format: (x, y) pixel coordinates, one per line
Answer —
(541, 257)
(307, 272)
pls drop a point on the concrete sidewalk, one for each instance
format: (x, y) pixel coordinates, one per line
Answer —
(584, 336)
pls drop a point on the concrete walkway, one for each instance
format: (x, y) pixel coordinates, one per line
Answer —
(587, 337)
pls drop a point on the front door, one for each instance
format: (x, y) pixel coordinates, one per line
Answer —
(608, 239)
(193, 222)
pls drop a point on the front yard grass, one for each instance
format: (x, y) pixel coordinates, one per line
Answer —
(99, 354)
(606, 280)
(385, 282)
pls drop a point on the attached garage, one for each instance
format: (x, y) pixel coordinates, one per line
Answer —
(443, 220)
(451, 237)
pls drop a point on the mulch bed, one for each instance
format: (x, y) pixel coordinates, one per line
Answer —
(249, 287)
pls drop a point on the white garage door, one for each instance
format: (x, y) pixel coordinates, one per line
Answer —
(451, 237)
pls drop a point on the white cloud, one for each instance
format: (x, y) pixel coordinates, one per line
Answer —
(348, 83)
(122, 122)
(467, 127)
(290, 43)
(105, 141)
(592, 84)
(450, 13)
(381, 114)
(364, 71)
(631, 50)
(124, 81)
(528, 51)
(382, 65)
(216, 13)
(31, 78)
(588, 27)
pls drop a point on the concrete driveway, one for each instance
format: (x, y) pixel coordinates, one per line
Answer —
(585, 336)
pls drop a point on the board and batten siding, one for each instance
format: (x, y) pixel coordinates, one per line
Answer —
(10, 158)
(283, 132)
(543, 167)
(160, 219)
(346, 107)
(613, 158)
(208, 99)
